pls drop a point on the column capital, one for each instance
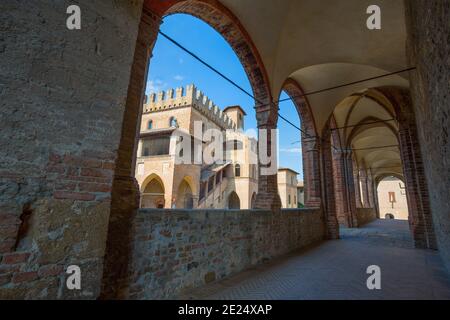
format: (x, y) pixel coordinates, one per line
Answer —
(267, 115)
(343, 153)
(310, 143)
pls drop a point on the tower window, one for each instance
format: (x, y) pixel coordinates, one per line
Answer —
(173, 122)
(150, 125)
(237, 170)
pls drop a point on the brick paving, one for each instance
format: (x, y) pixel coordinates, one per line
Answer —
(337, 270)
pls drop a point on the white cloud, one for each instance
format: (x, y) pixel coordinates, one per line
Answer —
(154, 86)
(291, 150)
(178, 78)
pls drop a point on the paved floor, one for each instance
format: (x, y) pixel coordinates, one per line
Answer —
(337, 270)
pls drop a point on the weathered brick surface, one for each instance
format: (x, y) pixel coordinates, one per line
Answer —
(310, 144)
(175, 250)
(62, 104)
(330, 202)
(420, 214)
(429, 46)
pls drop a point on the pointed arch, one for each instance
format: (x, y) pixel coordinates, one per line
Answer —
(234, 202)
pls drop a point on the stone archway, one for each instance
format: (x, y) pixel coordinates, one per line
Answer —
(253, 200)
(234, 203)
(391, 197)
(397, 104)
(153, 193)
(125, 191)
(184, 197)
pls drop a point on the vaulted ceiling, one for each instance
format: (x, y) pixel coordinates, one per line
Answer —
(325, 43)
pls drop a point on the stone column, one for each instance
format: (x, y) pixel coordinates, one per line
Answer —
(267, 196)
(311, 170)
(125, 193)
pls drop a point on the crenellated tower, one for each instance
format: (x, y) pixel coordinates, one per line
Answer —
(191, 96)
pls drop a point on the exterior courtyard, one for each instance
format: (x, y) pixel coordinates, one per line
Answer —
(90, 185)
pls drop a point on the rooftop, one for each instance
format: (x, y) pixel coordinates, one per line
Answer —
(288, 169)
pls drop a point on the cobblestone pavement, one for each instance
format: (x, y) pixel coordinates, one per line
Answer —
(337, 270)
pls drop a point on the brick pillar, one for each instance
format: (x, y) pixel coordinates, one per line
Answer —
(345, 189)
(351, 193)
(373, 193)
(311, 170)
(125, 193)
(267, 196)
(339, 188)
(416, 188)
(328, 187)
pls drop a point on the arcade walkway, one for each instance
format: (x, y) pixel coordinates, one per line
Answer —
(337, 270)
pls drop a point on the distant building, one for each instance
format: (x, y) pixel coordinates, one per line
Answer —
(165, 183)
(392, 198)
(301, 194)
(287, 187)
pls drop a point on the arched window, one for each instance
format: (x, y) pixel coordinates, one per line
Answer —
(173, 122)
(150, 125)
(237, 170)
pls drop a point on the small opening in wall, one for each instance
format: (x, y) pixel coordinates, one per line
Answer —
(24, 224)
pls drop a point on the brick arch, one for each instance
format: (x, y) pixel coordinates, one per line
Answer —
(361, 127)
(296, 93)
(125, 190)
(310, 143)
(383, 176)
(230, 28)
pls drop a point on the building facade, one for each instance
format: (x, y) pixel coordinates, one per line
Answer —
(392, 199)
(170, 172)
(287, 187)
(301, 194)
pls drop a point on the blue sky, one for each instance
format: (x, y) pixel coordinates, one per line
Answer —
(170, 67)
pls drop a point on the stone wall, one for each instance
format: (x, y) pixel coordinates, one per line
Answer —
(428, 48)
(175, 250)
(365, 215)
(62, 101)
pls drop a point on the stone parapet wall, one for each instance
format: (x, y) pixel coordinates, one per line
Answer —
(365, 215)
(175, 250)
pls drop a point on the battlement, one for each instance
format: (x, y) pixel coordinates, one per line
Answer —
(184, 97)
